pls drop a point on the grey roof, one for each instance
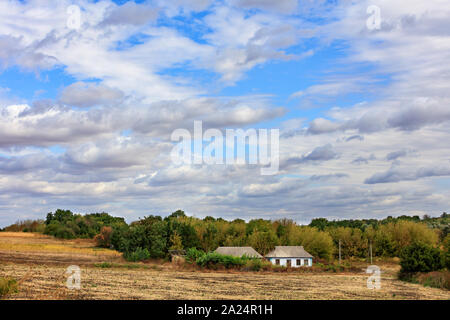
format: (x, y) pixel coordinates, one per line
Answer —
(288, 252)
(239, 251)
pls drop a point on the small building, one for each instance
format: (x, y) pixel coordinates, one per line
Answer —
(290, 256)
(239, 252)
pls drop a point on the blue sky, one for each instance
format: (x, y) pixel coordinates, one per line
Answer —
(87, 112)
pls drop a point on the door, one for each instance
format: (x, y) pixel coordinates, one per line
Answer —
(288, 262)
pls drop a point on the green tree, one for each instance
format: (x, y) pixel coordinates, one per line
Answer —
(420, 257)
(176, 242)
(263, 241)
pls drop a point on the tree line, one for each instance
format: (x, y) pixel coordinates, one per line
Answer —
(154, 236)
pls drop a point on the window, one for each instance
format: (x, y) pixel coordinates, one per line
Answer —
(288, 262)
(305, 262)
(277, 261)
(298, 262)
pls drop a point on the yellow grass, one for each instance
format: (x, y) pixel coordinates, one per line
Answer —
(26, 242)
(55, 248)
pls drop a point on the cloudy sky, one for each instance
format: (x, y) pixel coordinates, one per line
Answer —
(86, 113)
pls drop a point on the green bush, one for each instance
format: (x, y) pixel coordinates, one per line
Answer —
(192, 254)
(139, 254)
(8, 286)
(447, 251)
(253, 264)
(212, 260)
(420, 257)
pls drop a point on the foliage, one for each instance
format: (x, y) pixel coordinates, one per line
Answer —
(139, 254)
(318, 243)
(8, 286)
(67, 225)
(263, 241)
(192, 254)
(212, 260)
(420, 257)
(26, 226)
(321, 238)
(257, 265)
(176, 242)
(447, 251)
(103, 239)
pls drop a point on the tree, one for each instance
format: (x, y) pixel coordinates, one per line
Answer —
(103, 239)
(318, 243)
(263, 241)
(447, 251)
(175, 241)
(420, 257)
(319, 223)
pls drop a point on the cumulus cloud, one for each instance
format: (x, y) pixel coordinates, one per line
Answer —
(104, 145)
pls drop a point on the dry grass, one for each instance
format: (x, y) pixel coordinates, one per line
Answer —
(42, 276)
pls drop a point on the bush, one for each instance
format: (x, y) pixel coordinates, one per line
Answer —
(103, 239)
(138, 255)
(420, 257)
(192, 254)
(8, 286)
(213, 260)
(447, 251)
(257, 265)
(435, 279)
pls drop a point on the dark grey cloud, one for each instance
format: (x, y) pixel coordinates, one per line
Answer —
(29, 163)
(322, 153)
(355, 137)
(364, 160)
(396, 154)
(396, 174)
(326, 177)
(408, 118)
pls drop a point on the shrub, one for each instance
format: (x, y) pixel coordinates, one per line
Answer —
(420, 257)
(192, 254)
(435, 279)
(212, 260)
(103, 239)
(139, 254)
(257, 265)
(8, 286)
(447, 251)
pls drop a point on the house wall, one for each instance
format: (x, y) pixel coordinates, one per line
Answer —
(307, 262)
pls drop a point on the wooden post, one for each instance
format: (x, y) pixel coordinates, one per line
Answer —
(370, 251)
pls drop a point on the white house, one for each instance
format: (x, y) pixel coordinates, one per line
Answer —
(290, 256)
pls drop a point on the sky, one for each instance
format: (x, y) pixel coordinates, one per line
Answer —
(359, 90)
